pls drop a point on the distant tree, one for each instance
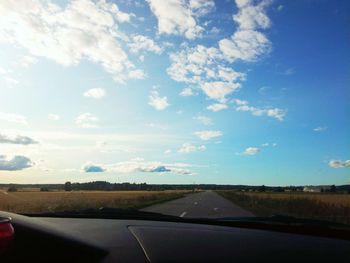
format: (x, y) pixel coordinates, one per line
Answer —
(44, 189)
(68, 186)
(262, 188)
(333, 189)
(12, 189)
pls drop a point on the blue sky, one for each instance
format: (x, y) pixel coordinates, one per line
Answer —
(181, 91)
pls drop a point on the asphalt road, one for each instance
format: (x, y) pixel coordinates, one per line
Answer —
(206, 204)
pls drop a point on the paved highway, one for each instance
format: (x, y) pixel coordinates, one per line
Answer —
(204, 204)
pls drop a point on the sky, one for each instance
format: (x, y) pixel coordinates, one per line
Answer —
(175, 91)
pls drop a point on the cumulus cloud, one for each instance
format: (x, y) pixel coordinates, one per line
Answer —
(15, 163)
(207, 135)
(91, 168)
(187, 92)
(251, 151)
(143, 43)
(339, 163)
(243, 105)
(54, 117)
(140, 165)
(11, 117)
(82, 29)
(247, 43)
(179, 17)
(204, 67)
(86, 120)
(157, 102)
(23, 140)
(217, 107)
(204, 120)
(96, 93)
(189, 148)
(201, 7)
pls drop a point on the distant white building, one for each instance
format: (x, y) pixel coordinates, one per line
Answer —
(315, 189)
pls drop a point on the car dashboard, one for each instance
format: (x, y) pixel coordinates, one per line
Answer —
(40, 239)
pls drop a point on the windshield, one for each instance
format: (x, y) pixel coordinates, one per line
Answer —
(192, 108)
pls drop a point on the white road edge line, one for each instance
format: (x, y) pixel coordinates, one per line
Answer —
(183, 214)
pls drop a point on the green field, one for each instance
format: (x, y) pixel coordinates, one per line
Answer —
(324, 206)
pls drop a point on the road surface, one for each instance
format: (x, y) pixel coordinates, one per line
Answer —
(206, 204)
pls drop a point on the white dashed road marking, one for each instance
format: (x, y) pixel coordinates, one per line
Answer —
(216, 209)
(183, 214)
(195, 203)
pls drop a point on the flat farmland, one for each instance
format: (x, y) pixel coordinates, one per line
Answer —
(34, 201)
(324, 206)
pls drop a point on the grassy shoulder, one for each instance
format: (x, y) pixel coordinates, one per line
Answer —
(330, 207)
(36, 201)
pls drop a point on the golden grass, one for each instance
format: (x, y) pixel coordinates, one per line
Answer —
(34, 202)
(327, 198)
(323, 206)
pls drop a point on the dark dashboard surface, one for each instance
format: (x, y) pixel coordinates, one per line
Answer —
(109, 240)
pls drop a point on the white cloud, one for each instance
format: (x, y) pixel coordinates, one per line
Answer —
(339, 163)
(178, 17)
(24, 140)
(201, 7)
(168, 151)
(207, 135)
(251, 151)
(80, 30)
(189, 148)
(203, 119)
(86, 120)
(26, 61)
(217, 107)
(214, 30)
(205, 68)
(140, 42)
(139, 165)
(96, 93)
(157, 102)
(186, 92)
(14, 163)
(251, 16)
(9, 81)
(11, 117)
(202, 148)
(137, 74)
(276, 113)
(218, 90)
(246, 43)
(54, 117)
(320, 129)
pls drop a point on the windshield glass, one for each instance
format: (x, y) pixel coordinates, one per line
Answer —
(192, 108)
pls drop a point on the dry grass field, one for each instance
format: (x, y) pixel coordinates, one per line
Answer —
(34, 201)
(323, 206)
